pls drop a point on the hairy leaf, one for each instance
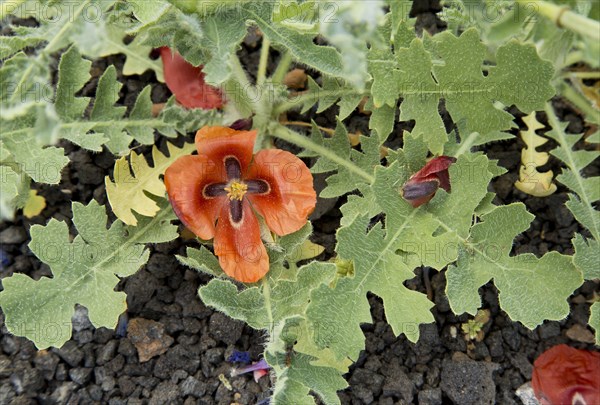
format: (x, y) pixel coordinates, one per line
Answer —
(137, 54)
(520, 77)
(586, 191)
(343, 181)
(85, 271)
(326, 59)
(524, 282)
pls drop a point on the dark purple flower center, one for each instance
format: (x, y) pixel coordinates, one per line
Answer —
(235, 188)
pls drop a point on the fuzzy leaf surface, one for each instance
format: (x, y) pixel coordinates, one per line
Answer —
(586, 191)
(520, 77)
(523, 281)
(85, 271)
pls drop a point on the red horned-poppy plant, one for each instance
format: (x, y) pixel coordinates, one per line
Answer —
(218, 193)
(186, 82)
(422, 186)
(565, 375)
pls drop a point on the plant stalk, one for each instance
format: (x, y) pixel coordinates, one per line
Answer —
(580, 102)
(238, 86)
(262, 63)
(565, 18)
(282, 68)
(281, 132)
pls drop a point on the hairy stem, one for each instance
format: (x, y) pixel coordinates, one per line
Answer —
(238, 86)
(580, 102)
(328, 131)
(262, 63)
(282, 68)
(281, 132)
(565, 18)
(582, 75)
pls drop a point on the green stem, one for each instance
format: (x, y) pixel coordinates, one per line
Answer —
(282, 68)
(238, 86)
(580, 102)
(573, 58)
(281, 132)
(262, 63)
(582, 75)
(563, 17)
(240, 73)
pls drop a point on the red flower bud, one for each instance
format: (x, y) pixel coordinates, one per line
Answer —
(422, 185)
(565, 375)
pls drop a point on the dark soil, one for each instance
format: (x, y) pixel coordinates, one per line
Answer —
(102, 366)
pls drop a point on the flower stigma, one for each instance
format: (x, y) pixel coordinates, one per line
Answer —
(236, 190)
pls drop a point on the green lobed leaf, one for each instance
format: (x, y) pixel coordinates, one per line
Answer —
(325, 59)
(519, 77)
(14, 187)
(222, 35)
(343, 181)
(333, 90)
(85, 271)
(523, 281)
(278, 305)
(586, 191)
(136, 52)
(297, 373)
(183, 32)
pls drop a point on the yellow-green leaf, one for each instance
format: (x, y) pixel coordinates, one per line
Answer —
(34, 205)
(134, 178)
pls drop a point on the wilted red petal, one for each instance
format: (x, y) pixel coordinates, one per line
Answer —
(422, 186)
(241, 252)
(185, 179)
(186, 82)
(291, 198)
(434, 167)
(563, 373)
(218, 142)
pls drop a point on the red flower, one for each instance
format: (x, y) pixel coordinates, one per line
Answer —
(187, 82)
(565, 375)
(422, 185)
(225, 183)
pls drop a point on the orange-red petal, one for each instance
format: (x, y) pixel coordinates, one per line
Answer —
(562, 373)
(218, 142)
(185, 179)
(291, 197)
(242, 255)
(186, 82)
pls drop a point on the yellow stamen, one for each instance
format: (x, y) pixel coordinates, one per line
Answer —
(236, 190)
